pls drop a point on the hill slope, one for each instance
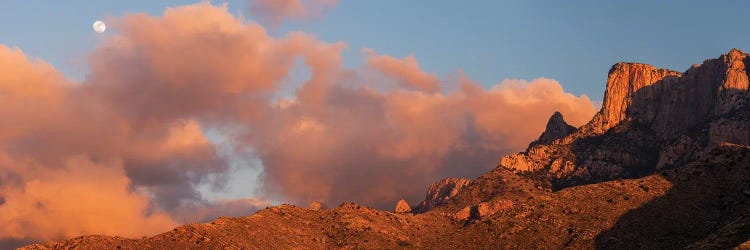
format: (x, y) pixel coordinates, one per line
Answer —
(703, 204)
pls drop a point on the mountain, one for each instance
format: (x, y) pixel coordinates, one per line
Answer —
(650, 119)
(665, 163)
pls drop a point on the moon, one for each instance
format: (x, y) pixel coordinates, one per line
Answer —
(99, 26)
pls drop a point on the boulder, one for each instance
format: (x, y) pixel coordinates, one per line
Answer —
(402, 207)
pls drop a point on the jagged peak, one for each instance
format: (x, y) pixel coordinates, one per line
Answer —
(735, 52)
(556, 128)
(557, 125)
(734, 58)
(556, 118)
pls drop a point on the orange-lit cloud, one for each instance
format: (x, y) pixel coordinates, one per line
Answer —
(371, 147)
(133, 134)
(276, 11)
(77, 198)
(406, 71)
(50, 186)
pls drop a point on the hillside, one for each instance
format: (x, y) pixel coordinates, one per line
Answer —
(703, 204)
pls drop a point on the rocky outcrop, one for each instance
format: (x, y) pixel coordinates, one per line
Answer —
(650, 119)
(317, 206)
(440, 192)
(556, 128)
(482, 210)
(402, 207)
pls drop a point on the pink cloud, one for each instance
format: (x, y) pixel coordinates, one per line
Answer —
(370, 147)
(77, 198)
(405, 70)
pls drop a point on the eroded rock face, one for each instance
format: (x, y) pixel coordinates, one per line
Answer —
(440, 192)
(650, 119)
(402, 207)
(731, 130)
(675, 153)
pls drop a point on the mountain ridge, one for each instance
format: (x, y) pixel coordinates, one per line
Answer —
(650, 118)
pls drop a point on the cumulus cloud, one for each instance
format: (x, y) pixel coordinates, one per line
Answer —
(130, 141)
(405, 70)
(162, 153)
(50, 184)
(276, 11)
(371, 147)
(73, 199)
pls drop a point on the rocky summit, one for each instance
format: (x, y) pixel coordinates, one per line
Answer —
(556, 128)
(665, 163)
(650, 119)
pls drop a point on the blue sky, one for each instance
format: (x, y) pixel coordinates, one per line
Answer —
(574, 42)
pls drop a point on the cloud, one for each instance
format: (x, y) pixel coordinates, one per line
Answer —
(76, 163)
(80, 197)
(130, 141)
(50, 185)
(371, 147)
(406, 71)
(274, 12)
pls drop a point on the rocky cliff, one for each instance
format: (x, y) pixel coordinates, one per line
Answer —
(624, 82)
(650, 119)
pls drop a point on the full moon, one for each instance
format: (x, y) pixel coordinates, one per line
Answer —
(99, 26)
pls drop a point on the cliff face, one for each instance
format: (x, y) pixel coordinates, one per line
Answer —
(669, 102)
(650, 119)
(624, 81)
(715, 89)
